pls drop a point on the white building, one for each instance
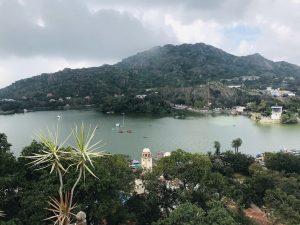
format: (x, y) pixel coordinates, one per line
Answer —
(141, 96)
(234, 86)
(7, 100)
(167, 154)
(146, 159)
(276, 112)
(239, 109)
(279, 93)
(139, 187)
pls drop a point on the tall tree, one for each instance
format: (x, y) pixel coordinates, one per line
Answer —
(7, 160)
(217, 147)
(236, 143)
(186, 213)
(189, 168)
(7, 181)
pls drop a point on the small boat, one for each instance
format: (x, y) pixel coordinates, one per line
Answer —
(120, 131)
(59, 117)
(118, 125)
(129, 131)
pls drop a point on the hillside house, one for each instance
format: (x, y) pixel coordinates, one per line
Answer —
(276, 112)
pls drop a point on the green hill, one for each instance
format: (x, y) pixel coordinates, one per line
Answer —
(114, 87)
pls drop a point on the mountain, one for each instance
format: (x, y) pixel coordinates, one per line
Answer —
(170, 66)
(205, 60)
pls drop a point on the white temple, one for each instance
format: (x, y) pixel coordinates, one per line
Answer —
(146, 159)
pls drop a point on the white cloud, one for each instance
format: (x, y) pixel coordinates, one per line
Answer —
(70, 30)
(40, 22)
(245, 48)
(44, 36)
(196, 31)
(15, 68)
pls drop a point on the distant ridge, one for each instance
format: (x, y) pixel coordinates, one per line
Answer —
(173, 66)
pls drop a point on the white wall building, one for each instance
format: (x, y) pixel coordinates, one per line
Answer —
(239, 109)
(146, 159)
(276, 112)
(141, 96)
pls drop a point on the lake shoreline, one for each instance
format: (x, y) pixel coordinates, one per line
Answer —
(188, 112)
(163, 133)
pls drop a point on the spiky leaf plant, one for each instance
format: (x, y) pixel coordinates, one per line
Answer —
(84, 152)
(81, 155)
(61, 209)
(51, 155)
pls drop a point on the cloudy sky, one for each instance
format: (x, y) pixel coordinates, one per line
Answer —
(48, 35)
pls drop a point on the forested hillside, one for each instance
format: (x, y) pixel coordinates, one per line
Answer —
(150, 73)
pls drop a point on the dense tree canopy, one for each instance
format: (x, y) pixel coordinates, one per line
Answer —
(283, 162)
(183, 188)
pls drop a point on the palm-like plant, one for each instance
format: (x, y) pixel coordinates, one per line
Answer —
(236, 143)
(217, 147)
(81, 155)
(61, 209)
(51, 155)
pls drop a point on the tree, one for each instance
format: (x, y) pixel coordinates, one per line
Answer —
(238, 162)
(7, 160)
(7, 181)
(283, 162)
(106, 197)
(256, 187)
(160, 195)
(288, 118)
(145, 209)
(218, 215)
(236, 143)
(185, 214)
(192, 174)
(190, 214)
(217, 147)
(283, 208)
(59, 160)
(188, 167)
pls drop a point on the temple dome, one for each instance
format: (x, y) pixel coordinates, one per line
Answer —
(146, 150)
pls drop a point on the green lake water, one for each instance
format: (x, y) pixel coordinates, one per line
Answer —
(194, 134)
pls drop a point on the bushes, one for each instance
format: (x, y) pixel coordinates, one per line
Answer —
(228, 163)
(283, 162)
(289, 118)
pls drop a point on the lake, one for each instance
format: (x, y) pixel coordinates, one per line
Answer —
(194, 134)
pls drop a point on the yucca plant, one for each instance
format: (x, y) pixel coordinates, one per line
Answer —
(81, 155)
(51, 155)
(61, 209)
